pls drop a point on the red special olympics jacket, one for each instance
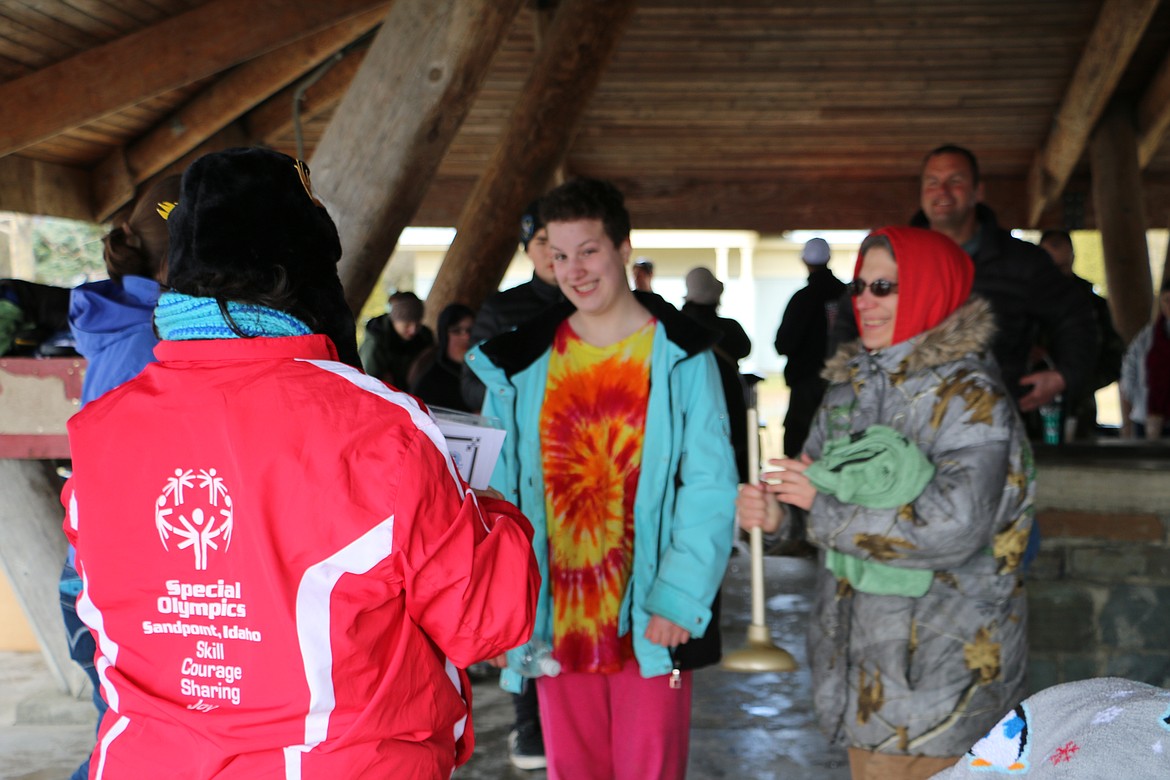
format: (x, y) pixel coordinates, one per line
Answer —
(283, 569)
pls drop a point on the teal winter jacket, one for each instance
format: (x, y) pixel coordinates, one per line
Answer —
(684, 507)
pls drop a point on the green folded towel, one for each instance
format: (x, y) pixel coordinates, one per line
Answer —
(877, 468)
(878, 578)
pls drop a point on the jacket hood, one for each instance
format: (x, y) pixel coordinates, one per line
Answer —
(969, 329)
(105, 312)
(517, 349)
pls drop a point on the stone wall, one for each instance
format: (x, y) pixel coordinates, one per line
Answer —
(1099, 592)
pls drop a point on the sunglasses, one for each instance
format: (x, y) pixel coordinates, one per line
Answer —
(879, 287)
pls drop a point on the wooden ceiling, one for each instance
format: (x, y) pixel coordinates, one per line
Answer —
(747, 114)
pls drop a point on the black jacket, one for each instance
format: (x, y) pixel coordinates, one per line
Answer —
(503, 312)
(1029, 296)
(803, 334)
(734, 344)
(387, 356)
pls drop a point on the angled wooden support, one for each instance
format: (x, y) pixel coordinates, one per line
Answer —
(166, 56)
(1118, 31)
(380, 151)
(1121, 218)
(567, 69)
(1153, 114)
(240, 90)
(32, 553)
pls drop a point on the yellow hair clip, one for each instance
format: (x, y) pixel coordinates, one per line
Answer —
(165, 208)
(303, 172)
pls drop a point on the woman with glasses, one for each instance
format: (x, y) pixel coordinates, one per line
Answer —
(435, 375)
(917, 476)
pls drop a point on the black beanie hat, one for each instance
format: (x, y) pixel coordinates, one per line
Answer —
(242, 214)
(530, 223)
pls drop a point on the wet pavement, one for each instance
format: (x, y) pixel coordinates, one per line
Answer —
(754, 726)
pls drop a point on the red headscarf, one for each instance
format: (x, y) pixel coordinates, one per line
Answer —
(934, 278)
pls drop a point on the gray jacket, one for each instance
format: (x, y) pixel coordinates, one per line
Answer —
(929, 675)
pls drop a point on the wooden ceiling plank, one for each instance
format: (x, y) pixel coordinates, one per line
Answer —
(218, 106)
(108, 78)
(1110, 46)
(567, 70)
(36, 19)
(1153, 114)
(396, 121)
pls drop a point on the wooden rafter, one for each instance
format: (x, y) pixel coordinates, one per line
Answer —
(381, 150)
(564, 75)
(181, 50)
(1153, 114)
(244, 87)
(1119, 29)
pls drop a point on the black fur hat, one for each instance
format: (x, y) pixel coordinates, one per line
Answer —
(245, 218)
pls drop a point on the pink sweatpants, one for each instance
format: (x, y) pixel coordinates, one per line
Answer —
(615, 726)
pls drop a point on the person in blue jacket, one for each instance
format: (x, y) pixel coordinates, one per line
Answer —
(112, 325)
(618, 450)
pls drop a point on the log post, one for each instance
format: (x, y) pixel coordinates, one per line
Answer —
(564, 76)
(381, 150)
(1121, 218)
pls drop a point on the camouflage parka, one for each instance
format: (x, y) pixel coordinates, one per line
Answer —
(929, 675)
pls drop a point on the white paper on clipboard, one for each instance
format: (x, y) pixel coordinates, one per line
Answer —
(474, 442)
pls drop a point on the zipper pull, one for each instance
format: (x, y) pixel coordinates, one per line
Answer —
(675, 678)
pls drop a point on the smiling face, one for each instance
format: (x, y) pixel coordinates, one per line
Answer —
(949, 195)
(876, 316)
(590, 270)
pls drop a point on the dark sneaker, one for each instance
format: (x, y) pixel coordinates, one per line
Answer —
(526, 747)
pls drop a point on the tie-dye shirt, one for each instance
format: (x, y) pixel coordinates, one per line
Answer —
(591, 430)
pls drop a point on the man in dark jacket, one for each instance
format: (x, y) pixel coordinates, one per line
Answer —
(509, 308)
(1028, 295)
(803, 336)
(394, 340)
(1058, 244)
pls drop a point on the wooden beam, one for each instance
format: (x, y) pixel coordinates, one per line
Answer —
(1119, 29)
(181, 50)
(238, 91)
(273, 119)
(563, 78)
(35, 187)
(32, 553)
(1153, 114)
(1121, 218)
(380, 151)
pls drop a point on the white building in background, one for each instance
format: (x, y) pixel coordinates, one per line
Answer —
(759, 272)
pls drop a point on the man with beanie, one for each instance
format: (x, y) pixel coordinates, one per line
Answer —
(283, 569)
(702, 305)
(508, 308)
(803, 336)
(395, 340)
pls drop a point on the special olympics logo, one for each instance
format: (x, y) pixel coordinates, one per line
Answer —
(200, 516)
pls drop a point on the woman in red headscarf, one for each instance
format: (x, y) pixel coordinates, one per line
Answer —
(917, 477)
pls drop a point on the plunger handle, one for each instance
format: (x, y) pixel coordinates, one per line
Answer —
(756, 534)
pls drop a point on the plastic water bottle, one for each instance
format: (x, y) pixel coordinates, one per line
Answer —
(1050, 418)
(538, 661)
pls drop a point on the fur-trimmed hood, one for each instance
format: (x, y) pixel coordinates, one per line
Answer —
(969, 329)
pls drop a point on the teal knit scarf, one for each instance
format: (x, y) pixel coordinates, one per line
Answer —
(179, 317)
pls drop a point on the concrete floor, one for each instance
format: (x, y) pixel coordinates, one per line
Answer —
(754, 726)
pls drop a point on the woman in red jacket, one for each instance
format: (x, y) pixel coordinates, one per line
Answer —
(282, 567)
